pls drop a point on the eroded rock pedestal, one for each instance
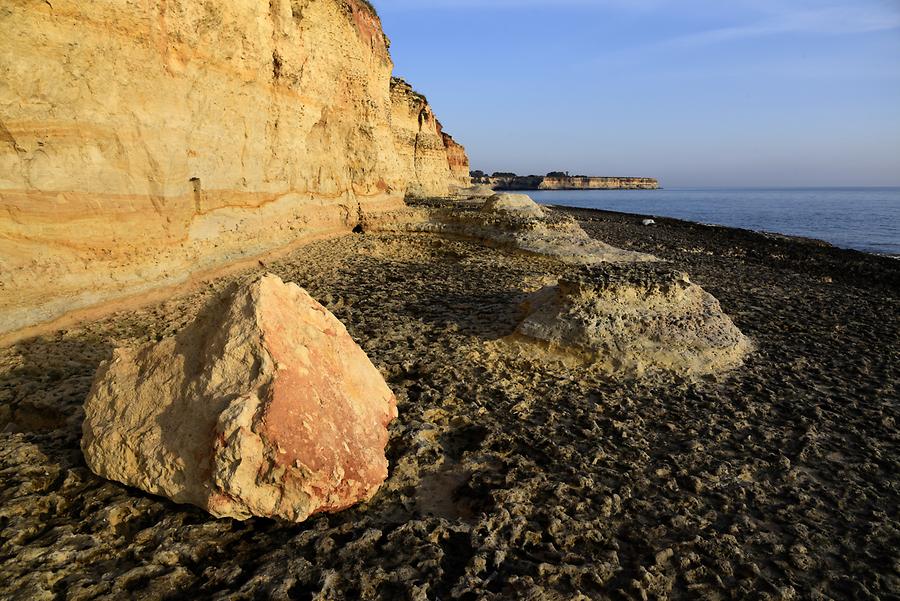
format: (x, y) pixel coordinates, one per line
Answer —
(512, 221)
(264, 406)
(513, 204)
(635, 318)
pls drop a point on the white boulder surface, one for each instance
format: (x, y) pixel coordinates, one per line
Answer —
(516, 204)
(635, 320)
(510, 221)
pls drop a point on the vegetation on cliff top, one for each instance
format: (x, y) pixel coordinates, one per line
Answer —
(369, 6)
(399, 82)
(478, 174)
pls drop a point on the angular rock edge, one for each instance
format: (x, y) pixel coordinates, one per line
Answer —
(263, 406)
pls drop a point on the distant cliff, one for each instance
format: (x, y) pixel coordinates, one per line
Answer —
(563, 182)
(458, 160)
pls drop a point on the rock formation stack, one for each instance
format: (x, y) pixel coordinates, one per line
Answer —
(459, 162)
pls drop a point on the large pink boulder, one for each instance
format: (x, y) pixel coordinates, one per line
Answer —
(264, 406)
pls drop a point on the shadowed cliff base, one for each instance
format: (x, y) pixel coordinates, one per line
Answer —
(510, 478)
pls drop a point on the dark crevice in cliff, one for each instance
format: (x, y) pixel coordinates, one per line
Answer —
(6, 136)
(423, 117)
(297, 9)
(276, 65)
(198, 192)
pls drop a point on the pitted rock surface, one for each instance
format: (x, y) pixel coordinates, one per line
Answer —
(515, 204)
(510, 478)
(511, 221)
(263, 406)
(634, 319)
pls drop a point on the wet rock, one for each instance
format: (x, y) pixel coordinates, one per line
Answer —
(263, 406)
(634, 320)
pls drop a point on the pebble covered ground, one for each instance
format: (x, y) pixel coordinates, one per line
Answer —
(510, 478)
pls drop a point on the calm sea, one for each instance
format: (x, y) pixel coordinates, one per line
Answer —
(866, 219)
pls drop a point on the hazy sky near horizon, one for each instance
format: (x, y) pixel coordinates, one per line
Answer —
(695, 92)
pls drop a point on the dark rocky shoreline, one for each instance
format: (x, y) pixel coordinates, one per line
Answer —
(804, 255)
(509, 478)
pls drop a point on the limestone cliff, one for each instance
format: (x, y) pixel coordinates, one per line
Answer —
(433, 160)
(580, 182)
(575, 182)
(459, 162)
(143, 142)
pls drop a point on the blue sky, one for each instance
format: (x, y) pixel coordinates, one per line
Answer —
(695, 92)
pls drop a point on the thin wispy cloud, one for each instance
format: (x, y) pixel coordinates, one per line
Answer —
(695, 91)
(760, 17)
(833, 20)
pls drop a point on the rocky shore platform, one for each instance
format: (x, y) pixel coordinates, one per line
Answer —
(509, 477)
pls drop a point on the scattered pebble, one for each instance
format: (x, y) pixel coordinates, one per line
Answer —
(509, 478)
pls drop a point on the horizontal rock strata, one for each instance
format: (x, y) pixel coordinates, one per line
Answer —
(433, 159)
(458, 161)
(141, 143)
(264, 406)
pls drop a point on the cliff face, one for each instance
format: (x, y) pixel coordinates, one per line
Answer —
(598, 183)
(142, 142)
(540, 182)
(459, 162)
(432, 160)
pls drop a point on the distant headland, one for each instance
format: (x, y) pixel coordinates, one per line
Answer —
(561, 180)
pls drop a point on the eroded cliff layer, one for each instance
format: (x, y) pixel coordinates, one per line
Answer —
(143, 142)
(433, 160)
(575, 182)
(459, 162)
